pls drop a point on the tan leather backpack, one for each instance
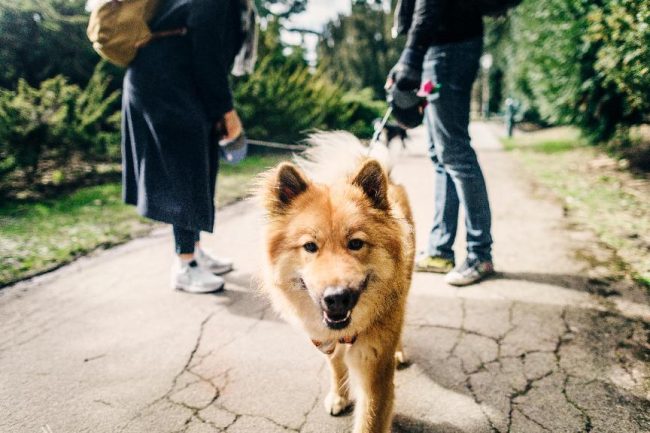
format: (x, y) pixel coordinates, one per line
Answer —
(117, 28)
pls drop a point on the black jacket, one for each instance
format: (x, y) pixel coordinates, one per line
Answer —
(435, 22)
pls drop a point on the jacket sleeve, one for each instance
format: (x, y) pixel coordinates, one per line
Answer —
(426, 19)
(207, 26)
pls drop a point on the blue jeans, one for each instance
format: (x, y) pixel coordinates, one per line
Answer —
(459, 179)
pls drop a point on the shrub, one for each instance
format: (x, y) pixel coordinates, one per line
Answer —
(579, 62)
(55, 121)
(621, 31)
(285, 103)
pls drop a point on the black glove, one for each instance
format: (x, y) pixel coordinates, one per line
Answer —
(407, 73)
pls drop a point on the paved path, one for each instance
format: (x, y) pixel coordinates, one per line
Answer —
(104, 346)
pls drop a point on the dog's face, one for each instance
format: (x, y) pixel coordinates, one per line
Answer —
(332, 248)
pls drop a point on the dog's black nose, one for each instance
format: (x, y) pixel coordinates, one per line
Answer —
(339, 300)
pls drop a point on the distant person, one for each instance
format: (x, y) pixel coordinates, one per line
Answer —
(177, 104)
(512, 108)
(444, 45)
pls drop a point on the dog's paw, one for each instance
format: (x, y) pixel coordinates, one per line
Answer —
(336, 404)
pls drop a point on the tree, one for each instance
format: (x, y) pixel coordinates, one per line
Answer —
(621, 32)
(358, 50)
(578, 62)
(41, 39)
(280, 8)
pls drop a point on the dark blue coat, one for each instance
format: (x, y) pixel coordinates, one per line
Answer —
(174, 91)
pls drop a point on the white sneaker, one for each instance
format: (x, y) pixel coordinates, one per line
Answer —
(191, 278)
(215, 265)
(470, 272)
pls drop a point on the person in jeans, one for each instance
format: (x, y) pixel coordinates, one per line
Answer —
(444, 45)
(176, 104)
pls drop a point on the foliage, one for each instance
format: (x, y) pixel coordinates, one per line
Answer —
(285, 103)
(577, 62)
(42, 39)
(55, 121)
(621, 29)
(280, 8)
(275, 52)
(358, 49)
(284, 99)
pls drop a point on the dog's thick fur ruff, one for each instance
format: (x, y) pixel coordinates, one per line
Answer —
(335, 194)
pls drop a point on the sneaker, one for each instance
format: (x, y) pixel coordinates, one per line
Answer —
(215, 265)
(191, 278)
(437, 264)
(470, 272)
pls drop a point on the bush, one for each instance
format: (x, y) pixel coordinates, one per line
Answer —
(365, 110)
(41, 39)
(621, 31)
(285, 103)
(54, 122)
(578, 62)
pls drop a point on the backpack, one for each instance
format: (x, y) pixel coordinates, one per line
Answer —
(117, 28)
(493, 8)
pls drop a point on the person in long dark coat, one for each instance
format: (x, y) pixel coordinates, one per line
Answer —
(176, 95)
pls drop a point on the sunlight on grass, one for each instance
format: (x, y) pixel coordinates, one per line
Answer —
(39, 236)
(234, 181)
(35, 237)
(596, 192)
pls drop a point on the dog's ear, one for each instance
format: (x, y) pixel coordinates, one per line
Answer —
(371, 178)
(287, 183)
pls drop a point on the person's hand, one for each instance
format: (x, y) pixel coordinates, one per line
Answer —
(230, 125)
(407, 73)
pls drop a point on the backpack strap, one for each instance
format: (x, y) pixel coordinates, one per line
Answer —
(163, 34)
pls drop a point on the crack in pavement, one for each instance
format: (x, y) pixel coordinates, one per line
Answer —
(461, 334)
(530, 383)
(479, 403)
(514, 398)
(534, 421)
(316, 398)
(585, 416)
(172, 390)
(568, 332)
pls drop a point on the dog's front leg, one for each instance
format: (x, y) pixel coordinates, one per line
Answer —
(338, 400)
(374, 407)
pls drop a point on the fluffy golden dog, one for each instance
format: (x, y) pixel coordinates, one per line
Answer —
(339, 244)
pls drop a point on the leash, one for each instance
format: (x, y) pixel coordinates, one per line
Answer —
(300, 147)
(379, 128)
(274, 145)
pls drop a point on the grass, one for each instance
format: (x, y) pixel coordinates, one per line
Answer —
(598, 191)
(39, 236)
(234, 180)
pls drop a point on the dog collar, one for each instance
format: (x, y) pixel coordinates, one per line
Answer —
(328, 347)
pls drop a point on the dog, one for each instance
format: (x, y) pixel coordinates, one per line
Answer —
(391, 131)
(339, 252)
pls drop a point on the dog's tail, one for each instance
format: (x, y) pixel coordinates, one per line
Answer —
(332, 156)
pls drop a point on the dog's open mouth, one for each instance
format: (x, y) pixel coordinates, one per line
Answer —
(335, 321)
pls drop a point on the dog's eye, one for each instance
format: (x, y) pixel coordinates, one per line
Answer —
(310, 247)
(355, 244)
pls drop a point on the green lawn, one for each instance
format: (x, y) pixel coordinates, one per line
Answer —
(36, 237)
(598, 191)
